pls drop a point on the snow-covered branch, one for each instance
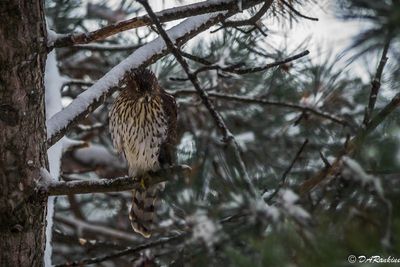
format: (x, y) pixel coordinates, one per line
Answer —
(164, 16)
(107, 185)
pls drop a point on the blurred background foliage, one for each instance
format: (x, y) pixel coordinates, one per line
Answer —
(217, 222)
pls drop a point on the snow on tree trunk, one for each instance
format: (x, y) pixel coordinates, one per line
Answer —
(53, 83)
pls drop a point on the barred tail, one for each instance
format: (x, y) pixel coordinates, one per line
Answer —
(142, 214)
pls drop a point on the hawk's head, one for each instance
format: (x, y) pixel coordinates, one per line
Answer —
(143, 82)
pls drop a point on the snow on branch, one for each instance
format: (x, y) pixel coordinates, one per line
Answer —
(353, 170)
(95, 95)
(164, 16)
(107, 185)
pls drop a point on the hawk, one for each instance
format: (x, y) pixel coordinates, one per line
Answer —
(143, 128)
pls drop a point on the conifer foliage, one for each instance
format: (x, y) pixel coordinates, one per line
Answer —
(287, 156)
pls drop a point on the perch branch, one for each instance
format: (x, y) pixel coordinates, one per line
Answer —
(106, 185)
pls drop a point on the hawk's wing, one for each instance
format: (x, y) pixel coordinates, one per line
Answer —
(167, 151)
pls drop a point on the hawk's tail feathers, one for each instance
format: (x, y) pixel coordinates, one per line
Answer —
(142, 214)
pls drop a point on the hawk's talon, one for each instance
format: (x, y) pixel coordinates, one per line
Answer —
(142, 183)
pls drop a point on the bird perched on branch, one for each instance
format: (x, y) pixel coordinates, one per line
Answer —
(143, 128)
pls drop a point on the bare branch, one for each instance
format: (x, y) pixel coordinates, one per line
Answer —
(128, 251)
(253, 100)
(164, 16)
(253, 20)
(287, 171)
(297, 12)
(107, 185)
(237, 70)
(196, 58)
(376, 84)
(378, 119)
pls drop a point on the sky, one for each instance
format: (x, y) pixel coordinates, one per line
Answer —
(328, 36)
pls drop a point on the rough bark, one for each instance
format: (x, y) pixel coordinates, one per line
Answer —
(22, 132)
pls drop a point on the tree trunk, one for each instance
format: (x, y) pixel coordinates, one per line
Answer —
(22, 132)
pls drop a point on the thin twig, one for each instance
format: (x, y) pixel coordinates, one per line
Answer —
(376, 84)
(248, 22)
(297, 12)
(237, 70)
(196, 58)
(255, 100)
(287, 171)
(251, 21)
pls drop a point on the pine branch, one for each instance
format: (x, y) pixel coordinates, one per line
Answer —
(376, 84)
(164, 16)
(107, 185)
(356, 142)
(287, 171)
(297, 12)
(251, 21)
(128, 251)
(237, 70)
(353, 145)
(255, 100)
